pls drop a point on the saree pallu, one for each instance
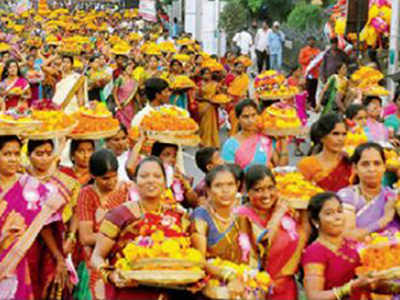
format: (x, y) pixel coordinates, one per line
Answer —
(66, 90)
(125, 223)
(28, 205)
(330, 180)
(257, 149)
(336, 88)
(208, 115)
(222, 244)
(279, 257)
(88, 209)
(369, 213)
(13, 101)
(68, 189)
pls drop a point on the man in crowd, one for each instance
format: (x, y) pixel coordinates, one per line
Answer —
(243, 41)
(332, 60)
(306, 55)
(261, 45)
(275, 42)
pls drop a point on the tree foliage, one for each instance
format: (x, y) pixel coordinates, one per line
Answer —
(233, 17)
(305, 16)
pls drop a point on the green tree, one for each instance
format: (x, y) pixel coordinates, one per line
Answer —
(234, 16)
(305, 16)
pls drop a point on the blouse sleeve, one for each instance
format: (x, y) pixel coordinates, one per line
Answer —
(228, 150)
(314, 254)
(199, 221)
(115, 221)
(348, 197)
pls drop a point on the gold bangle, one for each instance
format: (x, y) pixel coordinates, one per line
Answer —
(104, 272)
(71, 236)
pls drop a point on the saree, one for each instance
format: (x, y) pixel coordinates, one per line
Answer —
(128, 221)
(40, 258)
(376, 131)
(332, 180)
(336, 88)
(83, 179)
(369, 213)
(255, 150)
(66, 90)
(129, 107)
(238, 89)
(281, 256)
(19, 83)
(28, 206)
(222, 244)
(337, 266)
(208, 115)
(91, 208)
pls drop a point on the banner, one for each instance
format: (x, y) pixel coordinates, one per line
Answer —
(147, 10)
(22, 6)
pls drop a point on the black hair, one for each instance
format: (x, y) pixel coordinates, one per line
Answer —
(103, 161)
(321, 128)
(355, 158)
(210, 177)
(93, 58)
(367, 101)
(237, 171)
(71, 58)
(75, 145)
(396, 95)
(33, 144)
(8, 138)
(311, 37)
(7, 66)
(242, 105)
(256, 173)
(154, 86)
(353, 109)
(334, 40)
(203, 157)
(314, 209)
(150, 159)
(159, 147)
(175, 61)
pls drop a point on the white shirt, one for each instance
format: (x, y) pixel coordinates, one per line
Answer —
(243, 40)
(122, 159)
(261, 39)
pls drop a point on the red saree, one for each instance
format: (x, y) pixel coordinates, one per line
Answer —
(330, 180)
(281, 256)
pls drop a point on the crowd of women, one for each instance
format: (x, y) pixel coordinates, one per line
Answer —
(64, 221)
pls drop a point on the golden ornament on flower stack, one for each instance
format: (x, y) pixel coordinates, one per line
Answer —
(296, 189)
(182, 82)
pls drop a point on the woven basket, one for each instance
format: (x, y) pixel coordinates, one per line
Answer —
(94, 135)
(299, 131)
(162, 277)
(169, 133)
(164, 263)
(50, 134)
(182, 141)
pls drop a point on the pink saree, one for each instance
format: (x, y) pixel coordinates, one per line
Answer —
(13, 100)
(24, 209)
(255, 150)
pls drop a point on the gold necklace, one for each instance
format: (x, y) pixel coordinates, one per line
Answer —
(144, 210)
(367, 196)
(219, 217)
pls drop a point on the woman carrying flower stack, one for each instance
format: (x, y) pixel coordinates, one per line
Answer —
(60, 237)
(26, 207)
(95, 200)
(279, 235)
(330, 262)
(208, 112)
(368, 206)
(14, 89)
(249, 147)
(125, 89)
(238, 88)
(327, 167)
(132, 220)
(216, 228)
